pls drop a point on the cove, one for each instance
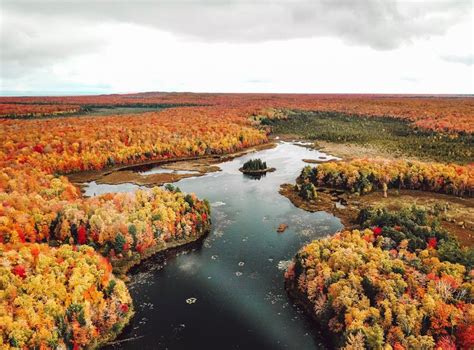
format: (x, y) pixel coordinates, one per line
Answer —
(227, 292)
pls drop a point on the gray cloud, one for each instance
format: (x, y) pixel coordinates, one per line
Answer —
(30, 42)
(38, 33)
(380, 24)
(468, 60)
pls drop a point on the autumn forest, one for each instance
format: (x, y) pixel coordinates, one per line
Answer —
(398, 274)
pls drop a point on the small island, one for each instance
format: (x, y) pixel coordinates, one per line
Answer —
(255, 167)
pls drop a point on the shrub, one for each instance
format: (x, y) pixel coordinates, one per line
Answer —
(308, 191)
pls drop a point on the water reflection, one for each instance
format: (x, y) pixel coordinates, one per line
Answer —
(94, 189)
(255, 176)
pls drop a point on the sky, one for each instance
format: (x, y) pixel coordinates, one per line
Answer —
(330, 46)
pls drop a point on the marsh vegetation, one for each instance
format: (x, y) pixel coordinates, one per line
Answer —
(387, 134)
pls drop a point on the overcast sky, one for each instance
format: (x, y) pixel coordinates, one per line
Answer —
(107, 46)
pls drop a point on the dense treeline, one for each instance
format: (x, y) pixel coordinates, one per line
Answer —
(402, 284)
(121, 226)
(452, 114)
(81, 143)
(15, 110)
(366, 175)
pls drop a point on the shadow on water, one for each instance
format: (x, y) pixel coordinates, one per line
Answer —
(227, 291)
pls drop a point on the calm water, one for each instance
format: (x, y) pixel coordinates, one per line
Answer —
(228, 292)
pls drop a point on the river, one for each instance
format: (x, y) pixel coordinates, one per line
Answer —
(227, 292)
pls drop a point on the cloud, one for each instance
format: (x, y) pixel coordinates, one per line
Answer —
(379, 24)
(233, 45)
(468, 60)
(30, 42)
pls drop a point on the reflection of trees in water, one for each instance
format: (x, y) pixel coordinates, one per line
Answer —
(255, 176)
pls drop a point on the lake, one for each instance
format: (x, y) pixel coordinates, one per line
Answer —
(228, 291)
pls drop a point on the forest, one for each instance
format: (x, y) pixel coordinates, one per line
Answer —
(441, 114)
(393, 280)
(374, 287)
(42, 209)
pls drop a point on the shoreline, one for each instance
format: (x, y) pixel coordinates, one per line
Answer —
(324, 202)
(459, 220)
(257, 172)
(199, 166)
(121, 270)
(301, 301)
(112, 335)
(327, 200)
(123, 267)
(345, 151)
(456, 220)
